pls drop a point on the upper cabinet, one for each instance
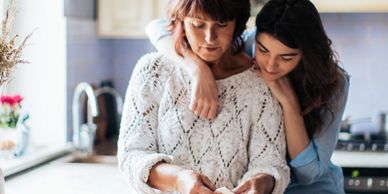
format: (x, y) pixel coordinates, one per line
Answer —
(127, 18)
(351, 6)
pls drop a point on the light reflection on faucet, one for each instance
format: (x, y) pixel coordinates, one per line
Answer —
(83, 134)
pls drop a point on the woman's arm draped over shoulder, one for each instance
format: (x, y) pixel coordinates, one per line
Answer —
(249, 38)
(314, 160)
(204, 95)
(162, 39)
(137, 145)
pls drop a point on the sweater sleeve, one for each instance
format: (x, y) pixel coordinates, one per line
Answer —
(249, 38)
(157, 29)
(137, 144)
(267, 145)
(309, 165)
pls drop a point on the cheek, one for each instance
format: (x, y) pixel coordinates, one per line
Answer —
(260, 58)
(225, 36)
(192, 38)
(288, 67)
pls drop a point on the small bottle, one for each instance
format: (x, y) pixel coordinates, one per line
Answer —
(382, 123)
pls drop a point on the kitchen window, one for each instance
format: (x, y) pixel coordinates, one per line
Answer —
(41, 82)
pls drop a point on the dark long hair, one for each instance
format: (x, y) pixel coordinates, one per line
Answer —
(318, 80)
(217, 10)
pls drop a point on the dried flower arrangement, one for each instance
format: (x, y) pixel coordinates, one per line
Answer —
(10, 53)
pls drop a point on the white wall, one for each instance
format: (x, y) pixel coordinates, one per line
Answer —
(42, 82)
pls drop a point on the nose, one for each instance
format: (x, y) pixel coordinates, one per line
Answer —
(210, 35)
(272, 65)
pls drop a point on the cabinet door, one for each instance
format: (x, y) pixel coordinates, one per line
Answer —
(356, 6)
(127, 18)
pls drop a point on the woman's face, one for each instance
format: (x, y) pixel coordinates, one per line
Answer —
(207, 38)
(273, 58)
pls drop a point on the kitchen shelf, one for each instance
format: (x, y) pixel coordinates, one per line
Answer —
(351, 6)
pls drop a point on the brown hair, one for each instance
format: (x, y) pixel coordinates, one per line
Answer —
(318, 80)
(217, 10)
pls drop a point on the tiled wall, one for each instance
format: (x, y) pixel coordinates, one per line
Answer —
(89, 59)
(92, 59)
(360, 40)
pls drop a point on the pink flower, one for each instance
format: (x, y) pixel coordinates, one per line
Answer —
(17, 99)
(6, 100)
(11, 100)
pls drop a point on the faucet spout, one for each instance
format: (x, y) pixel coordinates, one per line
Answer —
(79, 140)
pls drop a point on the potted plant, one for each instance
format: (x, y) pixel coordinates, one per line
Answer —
(13, 129)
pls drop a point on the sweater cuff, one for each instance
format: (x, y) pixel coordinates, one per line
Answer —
(307, 156)
(281, 179)
(142, 173)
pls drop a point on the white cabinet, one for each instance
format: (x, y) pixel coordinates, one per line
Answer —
(337, 6)
(351, 6)
(127, 18)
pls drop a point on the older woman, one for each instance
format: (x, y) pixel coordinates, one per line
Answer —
(295, 58)
(165, 147)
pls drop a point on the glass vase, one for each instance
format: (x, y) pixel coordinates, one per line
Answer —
(8, 141)
(14, 141)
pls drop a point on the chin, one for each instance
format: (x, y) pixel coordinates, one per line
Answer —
(268, 77)
(210, 58)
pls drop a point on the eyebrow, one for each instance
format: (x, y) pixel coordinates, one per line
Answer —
(284, 55)
(198, 17)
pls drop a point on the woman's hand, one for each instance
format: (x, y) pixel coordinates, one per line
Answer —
(204, 91)
(282, 89)
(204, 94)
(189, 182)
(260, 184)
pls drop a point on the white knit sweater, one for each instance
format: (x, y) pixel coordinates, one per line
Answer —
(246, 138)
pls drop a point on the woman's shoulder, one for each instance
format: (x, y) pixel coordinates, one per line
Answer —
(151, 64)
(250, 83)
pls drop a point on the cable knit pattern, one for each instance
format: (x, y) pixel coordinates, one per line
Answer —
(245, 139)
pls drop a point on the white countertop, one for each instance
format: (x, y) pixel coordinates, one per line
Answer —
(69, 178)
(361, 159)
(80, 178)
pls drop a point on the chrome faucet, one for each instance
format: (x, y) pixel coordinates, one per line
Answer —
(115, 94)
(83, 134)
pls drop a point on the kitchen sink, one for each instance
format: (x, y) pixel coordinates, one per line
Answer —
(96, 159)
(89, 159)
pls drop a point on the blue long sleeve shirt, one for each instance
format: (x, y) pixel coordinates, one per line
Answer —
(312, 170)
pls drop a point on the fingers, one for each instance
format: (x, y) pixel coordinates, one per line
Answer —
(242, 188)
(204, 190)
(207, 182)
(205, 111)
(213, 111)
(193, 104)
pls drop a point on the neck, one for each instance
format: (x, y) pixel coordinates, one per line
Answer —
(229, 65)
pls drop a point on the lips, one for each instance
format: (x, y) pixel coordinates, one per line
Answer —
(272, 73)
(210, 48)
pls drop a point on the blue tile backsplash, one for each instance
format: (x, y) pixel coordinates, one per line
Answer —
(358, 38)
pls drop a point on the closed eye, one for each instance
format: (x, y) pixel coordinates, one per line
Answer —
(287, 58)
(222, 24)
(198, 24)
(261, 49)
